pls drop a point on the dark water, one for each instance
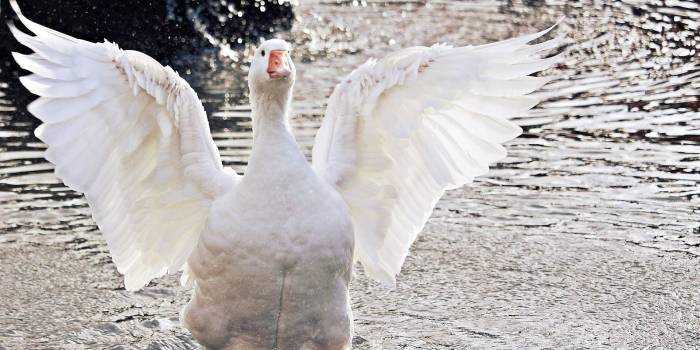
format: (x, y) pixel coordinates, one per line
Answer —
(587, 235)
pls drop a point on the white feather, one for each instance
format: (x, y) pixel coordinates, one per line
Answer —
(118, 126)
(435, 117)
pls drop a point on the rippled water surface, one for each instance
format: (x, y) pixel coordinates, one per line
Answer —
(587, 235)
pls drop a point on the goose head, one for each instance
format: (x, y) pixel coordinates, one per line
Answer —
(272, 71)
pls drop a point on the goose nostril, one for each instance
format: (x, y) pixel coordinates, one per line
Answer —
(277, 66)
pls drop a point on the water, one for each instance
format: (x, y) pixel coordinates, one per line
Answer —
(587, 235)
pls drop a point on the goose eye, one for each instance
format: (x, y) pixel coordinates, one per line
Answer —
(262, 53)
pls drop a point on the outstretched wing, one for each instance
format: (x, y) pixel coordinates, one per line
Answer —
(133, 137)
(400, 131)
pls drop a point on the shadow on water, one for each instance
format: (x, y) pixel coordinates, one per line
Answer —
(168, 30)
(612, 152)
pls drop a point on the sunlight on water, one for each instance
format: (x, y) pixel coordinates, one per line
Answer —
(612, 153)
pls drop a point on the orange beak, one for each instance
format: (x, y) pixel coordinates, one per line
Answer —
(277, 66)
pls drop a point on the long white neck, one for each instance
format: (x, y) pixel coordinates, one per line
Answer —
(269, 112)
(273, 142)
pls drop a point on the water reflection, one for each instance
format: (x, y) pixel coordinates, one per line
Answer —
(613, 153)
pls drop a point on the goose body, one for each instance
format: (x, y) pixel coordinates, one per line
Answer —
(279, 244)
(269, 255)
(285, 296)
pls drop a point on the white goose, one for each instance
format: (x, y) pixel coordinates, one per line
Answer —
(270, 253)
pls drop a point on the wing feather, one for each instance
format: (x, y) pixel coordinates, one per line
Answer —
(133, 137)
(400, 131)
